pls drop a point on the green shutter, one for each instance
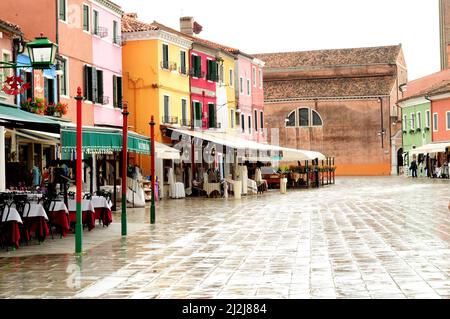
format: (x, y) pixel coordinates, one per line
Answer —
(115, 91)
(212, 115)
(94, 85)
(100, 87)
(119, 91)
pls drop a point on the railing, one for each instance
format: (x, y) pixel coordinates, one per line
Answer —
(173, 66)
(118, 40)
(102, 32)
(196, 73)
(104, 100)
(186, 122)
(170, 120)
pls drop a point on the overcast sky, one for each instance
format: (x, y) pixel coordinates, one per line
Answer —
(260, 26)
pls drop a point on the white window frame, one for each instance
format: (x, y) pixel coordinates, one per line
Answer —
(65, 18)
(241, 85)
(66, 96)
(231, 75)
(428, 118)
(189, 64)
(260, 78)
(168, 55)
(419, 120)
(6, 71)
(254, 76)
(93, 22)
(119, 32)
(89, 18)
(413, 121)
(206, 75)
(187, 109)
(405, 122)
(435, 122)
(447, 120)
(311, 111)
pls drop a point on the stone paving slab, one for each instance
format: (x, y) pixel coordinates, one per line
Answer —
(385, 237)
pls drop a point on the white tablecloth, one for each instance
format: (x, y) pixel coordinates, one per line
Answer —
(58, 206)
(36, 210)
(101, 202)
(13, 215)
(252, 187)
(86, 205)
(176, 190)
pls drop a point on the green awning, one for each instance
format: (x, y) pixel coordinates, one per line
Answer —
(12, 116)
(103, 141)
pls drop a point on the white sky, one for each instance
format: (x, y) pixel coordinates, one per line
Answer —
(259, 26)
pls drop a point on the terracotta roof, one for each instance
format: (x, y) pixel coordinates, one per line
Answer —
(131, 24)
(334, 88)
(197, 39)
(435, 89)
(11, 27)
(420, 86)
(443, 88)
(356, 56)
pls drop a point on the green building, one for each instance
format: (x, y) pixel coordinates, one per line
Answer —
(416, 124)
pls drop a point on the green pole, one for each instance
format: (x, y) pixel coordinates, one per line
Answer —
(78, 225)
(124, 168)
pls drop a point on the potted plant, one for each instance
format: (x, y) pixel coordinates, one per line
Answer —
(283, 171)
(50, 109)
(61, 109)
(411, 131)
(38, 106)
(27, 105)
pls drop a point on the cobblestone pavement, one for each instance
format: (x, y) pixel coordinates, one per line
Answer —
(384, 237)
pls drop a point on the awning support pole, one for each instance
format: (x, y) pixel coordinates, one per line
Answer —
(78, 225)
(2, 159)
(152, 169)
(124, 169)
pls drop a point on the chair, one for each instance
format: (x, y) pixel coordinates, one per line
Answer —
(4, 214)
(87, 196)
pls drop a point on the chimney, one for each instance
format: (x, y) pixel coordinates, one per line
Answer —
(187, 25)
(131, 15)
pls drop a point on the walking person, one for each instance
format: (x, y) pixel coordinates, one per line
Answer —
(413, 168)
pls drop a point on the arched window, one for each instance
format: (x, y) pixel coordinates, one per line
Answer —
(303, 117)
(316, 119)
(290, 119)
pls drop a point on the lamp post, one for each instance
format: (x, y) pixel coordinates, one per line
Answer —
(78, 225)
(152, 169)
(124, 169)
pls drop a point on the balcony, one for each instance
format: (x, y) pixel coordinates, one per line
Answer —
(102, 32)
(186, 123)
(170, 120)
(173, 66)
(196, 73)
(103, 100)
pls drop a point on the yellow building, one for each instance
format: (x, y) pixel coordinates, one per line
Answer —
(155, 79)
(227, 80)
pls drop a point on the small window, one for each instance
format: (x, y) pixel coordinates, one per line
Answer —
(184, 112)
(448, 120)
(248, 86)
(241, 85)
(4, 73)
(96, 22)
(231, 77)
(182, 62)
(419, 120)
(49, 93)
(254, 77)
(86, 25)
(243, 122)
(165, 64)
(116, 37)
(221, 76)
(117, 91)
(249, 124)
(261, 121)
(428, 119)
(316, 119)
(212, 115)
(290, 120)
(197, 114)
(435, 122)
(405, 126)
(256, 120)
(303, 117)
(62, 10)
(166, 109)
(62, 63)
(260, 79)
(413, 121)
(232, 118)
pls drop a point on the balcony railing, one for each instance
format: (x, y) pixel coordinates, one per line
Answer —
(102, 32)
(104, 100)
(186, 122)
(118, 40)
(173, 66)
(170, 120)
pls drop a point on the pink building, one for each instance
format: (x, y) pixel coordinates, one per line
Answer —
(258, 100)
(204, 75)
(107, 62)
(244, 95)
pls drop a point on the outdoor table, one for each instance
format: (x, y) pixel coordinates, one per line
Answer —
(88, 212)
(12, 232)
(58, 215)
(252, 187)
(102, 208)
(35, 220)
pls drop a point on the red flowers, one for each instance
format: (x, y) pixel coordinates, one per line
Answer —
(40, 106)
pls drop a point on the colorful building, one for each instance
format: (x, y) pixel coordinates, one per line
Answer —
(258, 100)
(156, 67)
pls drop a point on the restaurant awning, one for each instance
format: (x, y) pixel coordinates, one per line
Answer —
(99, 140)
(251, 147)
(431, 148)
(166, 152)
(12, 116)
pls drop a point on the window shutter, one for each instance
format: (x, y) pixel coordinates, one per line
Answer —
(100, 87)
(114, 91)
(94, 85)
(216, 69)
(119, 91)
(212, 115)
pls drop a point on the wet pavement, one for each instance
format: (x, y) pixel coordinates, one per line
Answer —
(386, 237)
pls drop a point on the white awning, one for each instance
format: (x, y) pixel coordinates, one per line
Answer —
(431, 148)
(166, 152)
(288, 154)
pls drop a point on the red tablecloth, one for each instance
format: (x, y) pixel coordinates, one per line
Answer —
(61, 220)
(11, 234)
(104, 214)
(36, 226)
(88, 218)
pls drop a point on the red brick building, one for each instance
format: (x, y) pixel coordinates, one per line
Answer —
(339, 102)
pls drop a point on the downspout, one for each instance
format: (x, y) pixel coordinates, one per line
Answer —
(57, 48)
(382, 124)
